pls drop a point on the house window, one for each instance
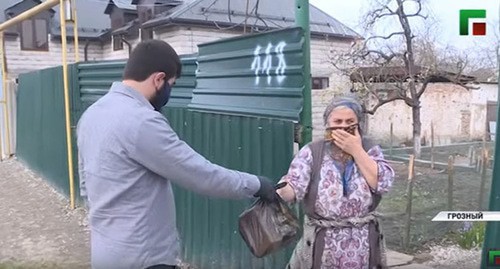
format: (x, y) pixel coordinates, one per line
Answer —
(146, 34)
(319, 83)
(117, 42)
(34, 35)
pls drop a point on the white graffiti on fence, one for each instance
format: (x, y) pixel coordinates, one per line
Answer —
(266, 66)
(280, 70)
(256, 63)
(268, 61)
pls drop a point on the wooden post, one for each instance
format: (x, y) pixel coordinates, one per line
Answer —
(479, 162)
(485, 157)
(484, 142)
(473, 156)
(432, 145)
(409, 193)
(483, 161)
(450, 182)
(391, 140)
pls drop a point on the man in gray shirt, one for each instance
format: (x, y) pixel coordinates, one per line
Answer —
(129, 155)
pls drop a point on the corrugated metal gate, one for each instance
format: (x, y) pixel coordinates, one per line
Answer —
(237, 109)
(248, 92)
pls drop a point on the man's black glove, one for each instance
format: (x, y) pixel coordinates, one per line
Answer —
(267, 191)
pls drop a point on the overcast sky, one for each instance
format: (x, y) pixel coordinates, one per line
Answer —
(445, 12)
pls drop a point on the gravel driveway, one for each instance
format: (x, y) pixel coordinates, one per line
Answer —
(37, 228)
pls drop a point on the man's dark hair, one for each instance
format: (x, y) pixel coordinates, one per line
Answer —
(152, 56)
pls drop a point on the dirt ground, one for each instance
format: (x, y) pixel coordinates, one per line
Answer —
(430, 196)
(37, 228)
(430, 192)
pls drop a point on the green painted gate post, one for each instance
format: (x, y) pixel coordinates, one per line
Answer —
(302, 20)
(492, 236)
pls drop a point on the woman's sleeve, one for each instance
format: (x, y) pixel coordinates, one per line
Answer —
(299, 173)
(385, 173)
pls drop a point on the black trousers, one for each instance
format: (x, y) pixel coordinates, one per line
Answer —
(162, 266)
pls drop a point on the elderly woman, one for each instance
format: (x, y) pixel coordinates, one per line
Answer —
(339, 192)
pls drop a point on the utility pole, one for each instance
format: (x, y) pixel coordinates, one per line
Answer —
(302, 20)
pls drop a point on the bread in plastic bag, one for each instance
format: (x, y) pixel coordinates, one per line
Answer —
(267, 227)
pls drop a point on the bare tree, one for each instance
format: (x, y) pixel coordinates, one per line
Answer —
(401, 61)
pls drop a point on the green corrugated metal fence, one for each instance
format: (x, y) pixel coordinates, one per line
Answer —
(260, 75)
(41, 136)
(208, 227)
(237, 109)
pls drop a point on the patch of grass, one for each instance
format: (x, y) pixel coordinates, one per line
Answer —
(472, 238)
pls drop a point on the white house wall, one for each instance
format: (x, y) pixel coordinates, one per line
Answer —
(109, 54)
(480, 99)
(321, 66)
(457, 114)
(487, 93)
(21, 61)
(185, 40)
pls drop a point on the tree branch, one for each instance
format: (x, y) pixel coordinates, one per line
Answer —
(402, 93)
(417, 13)
(385, 37)
(423, 87)
(378, 14)
(379, 104)
(387, 57)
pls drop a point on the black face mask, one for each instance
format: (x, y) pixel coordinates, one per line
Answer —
(161, 97)
(350, 129)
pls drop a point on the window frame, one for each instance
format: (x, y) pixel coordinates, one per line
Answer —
(323, 80)
(117, 42)
(33, 47)
(146, 34)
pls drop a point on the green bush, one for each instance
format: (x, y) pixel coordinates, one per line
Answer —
(473, 237)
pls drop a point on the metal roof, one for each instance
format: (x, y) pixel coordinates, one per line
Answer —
(92, 22)
(83, 33)
(162, 2)
(5, 4)
(400, 73)
(261, 14)
(486, 75)
(123, 4)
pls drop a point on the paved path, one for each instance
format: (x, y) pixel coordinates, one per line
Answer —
(398, 260)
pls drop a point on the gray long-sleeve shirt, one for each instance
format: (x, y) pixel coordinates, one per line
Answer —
(128, 157)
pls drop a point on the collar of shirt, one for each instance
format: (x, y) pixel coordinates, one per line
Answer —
(121, 88)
